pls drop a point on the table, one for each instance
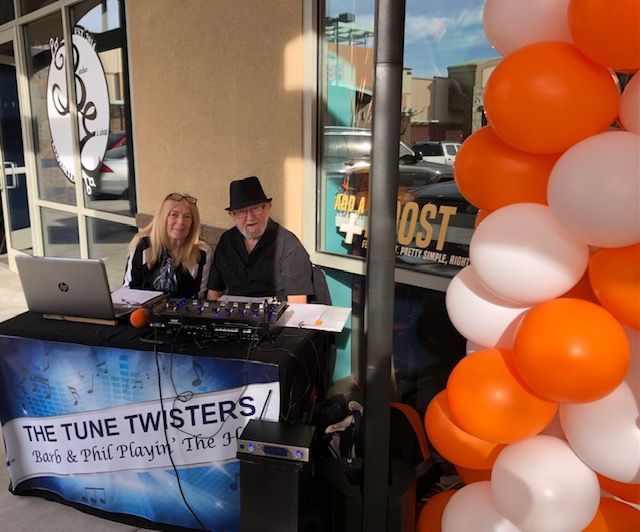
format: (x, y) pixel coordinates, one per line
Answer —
(109, 420)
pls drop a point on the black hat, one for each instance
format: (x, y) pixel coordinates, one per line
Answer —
(246, 192)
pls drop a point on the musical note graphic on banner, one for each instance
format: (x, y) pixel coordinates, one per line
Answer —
(41, 380)
(197, 369)
(74, 393)
(137, 385)
(185, 397)
(90, 390)
(102, 368)
(45, 364)
(94, 495)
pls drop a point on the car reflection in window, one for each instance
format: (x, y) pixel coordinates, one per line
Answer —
(347, 157)
(113, 179)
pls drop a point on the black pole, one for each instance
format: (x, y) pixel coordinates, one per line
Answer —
(381, 235)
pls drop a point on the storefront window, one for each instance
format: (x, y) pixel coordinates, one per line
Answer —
(109, 241)
(446, 63)
(103, 126)
(6, 12)
(31, 5)
(60, 231)
(47, 88)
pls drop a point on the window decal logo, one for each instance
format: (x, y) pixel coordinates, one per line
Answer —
(92, 99)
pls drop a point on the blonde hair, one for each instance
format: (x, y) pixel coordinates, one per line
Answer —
(188, 253)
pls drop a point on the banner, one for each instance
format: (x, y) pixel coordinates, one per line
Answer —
(105, 427)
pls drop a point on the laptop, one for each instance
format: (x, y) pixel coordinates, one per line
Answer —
(69, 289)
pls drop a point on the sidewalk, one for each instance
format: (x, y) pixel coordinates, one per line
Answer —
(13, 302)
(25, 514)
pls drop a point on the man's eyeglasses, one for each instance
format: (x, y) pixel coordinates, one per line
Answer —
(254, 209)
(180, 197)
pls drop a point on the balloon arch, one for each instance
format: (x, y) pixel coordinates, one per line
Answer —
(543, 412)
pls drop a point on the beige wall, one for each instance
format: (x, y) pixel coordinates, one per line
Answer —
(421, 98)
(216, 96)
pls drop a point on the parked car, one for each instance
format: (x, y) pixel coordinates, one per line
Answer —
(443, 152)
(349, 149)
(113, 179)
(449, 219)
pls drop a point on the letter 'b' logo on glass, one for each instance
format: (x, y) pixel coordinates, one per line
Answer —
(63, 287)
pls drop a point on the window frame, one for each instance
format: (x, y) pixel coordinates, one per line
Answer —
(313, 12)
(36, 203)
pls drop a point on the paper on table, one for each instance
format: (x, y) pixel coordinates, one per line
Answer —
(132, 296)
(309, 316)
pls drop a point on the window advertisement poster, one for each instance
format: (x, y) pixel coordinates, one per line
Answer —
(126, 432)
(447, 62)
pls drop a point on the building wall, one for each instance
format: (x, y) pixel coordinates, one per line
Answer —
(421, 98)
(216, 94)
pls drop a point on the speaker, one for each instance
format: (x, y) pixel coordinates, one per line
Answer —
(276, 488)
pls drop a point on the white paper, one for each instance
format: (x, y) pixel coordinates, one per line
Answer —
(132, 296)
(310, 316)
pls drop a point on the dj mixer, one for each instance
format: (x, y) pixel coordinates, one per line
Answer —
(216, 319)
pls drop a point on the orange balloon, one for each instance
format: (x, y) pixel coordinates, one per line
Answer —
(453, 443)
(490, 402)
(545, 97)
(628, 492)
(615, 277)
(491, 174)
(582, 290)
(614, 516)
(430, 519)
(469, 476)
(607, 32)
(570, 351)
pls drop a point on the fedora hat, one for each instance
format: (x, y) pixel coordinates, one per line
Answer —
(246, 192)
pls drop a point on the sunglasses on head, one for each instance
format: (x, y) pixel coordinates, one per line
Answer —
(179, 197)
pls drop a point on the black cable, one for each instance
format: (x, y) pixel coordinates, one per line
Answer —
(179, 395)
(166, 436)
(285, 417)
(250, 348)
(254, 344)
(318, 369)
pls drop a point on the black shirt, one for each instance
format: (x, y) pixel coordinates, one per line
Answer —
(164, 276)
(278, 265)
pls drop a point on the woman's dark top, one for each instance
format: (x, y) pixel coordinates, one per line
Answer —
(165, 276)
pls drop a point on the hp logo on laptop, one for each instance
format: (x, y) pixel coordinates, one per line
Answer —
(63, 287)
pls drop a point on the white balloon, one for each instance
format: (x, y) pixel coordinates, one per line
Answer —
(473, 508)
(523, 254)
(540, 485)
(605, 433)
(511, 24)
(478, 314)
(630, 105)
(594, 189)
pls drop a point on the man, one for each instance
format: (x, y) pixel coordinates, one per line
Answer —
(258, 257)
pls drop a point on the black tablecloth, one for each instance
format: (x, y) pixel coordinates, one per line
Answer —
(300, 354)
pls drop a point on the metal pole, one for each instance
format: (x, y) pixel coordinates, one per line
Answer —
(383, 193)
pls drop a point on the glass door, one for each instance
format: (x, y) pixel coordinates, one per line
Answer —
(16, 235)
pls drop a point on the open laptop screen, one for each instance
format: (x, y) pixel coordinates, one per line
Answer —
(66, 287)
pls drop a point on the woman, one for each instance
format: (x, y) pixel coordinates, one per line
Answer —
(168, 254)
